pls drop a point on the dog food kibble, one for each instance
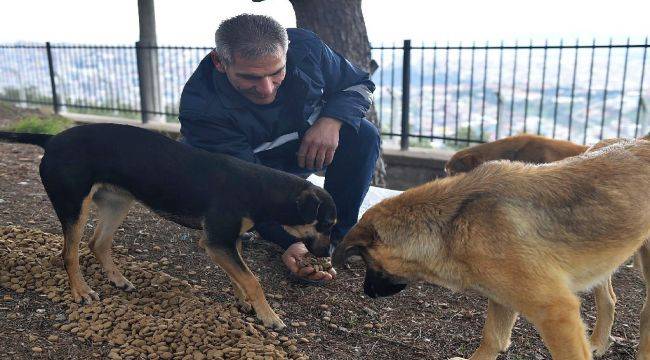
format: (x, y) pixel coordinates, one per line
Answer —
(163, 318)
(319, 264)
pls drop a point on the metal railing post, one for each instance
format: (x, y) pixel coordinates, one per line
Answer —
(55, 99)
(406, 95)
(147, 62)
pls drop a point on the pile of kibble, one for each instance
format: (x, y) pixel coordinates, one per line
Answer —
(163, 318)
(318, 263)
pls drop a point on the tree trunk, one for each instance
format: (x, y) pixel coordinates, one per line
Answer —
(340, 24)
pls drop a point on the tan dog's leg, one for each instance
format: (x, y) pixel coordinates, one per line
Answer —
(555, 313)
(246, 284)
(202, 241)
(242, 301)
(112, 209)
(643, 351)
(605, 309)
(636, 263)
(72, 234)
(496, 332)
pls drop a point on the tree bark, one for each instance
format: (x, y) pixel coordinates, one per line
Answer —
(340, 24)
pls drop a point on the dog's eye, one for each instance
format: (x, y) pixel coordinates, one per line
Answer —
(324, 227)
(324, 231)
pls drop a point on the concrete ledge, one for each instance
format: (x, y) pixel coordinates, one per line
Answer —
(406, 169)
(426, 158)
(171, 129)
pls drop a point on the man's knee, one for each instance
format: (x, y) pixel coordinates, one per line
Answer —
(369, 132)
(368, 137)
(359, 146)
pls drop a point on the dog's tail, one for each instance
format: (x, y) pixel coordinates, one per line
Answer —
(25, 138)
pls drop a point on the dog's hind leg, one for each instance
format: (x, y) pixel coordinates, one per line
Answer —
(222, 247)
(112, 208)
(555, 312)
(496, 332)
(605, 310)
(244, 302)
(73, 216)
(643, 351)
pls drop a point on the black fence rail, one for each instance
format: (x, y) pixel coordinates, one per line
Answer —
(426, 95)
(471, 94)
(94, 79)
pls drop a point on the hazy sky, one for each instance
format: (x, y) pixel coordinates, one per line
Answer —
(192, 22)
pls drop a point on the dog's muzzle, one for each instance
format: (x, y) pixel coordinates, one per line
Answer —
(377, 284)
(319, 246)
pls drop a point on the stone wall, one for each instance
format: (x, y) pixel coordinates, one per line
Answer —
(406, 169)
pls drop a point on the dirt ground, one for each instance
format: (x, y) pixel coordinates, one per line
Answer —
(424, 321)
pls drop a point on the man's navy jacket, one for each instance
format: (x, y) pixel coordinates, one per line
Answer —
(318, 82)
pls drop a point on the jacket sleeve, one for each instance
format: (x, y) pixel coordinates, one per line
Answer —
(215, 135)
(348, 89)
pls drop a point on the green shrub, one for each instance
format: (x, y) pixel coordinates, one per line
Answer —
(41, 125)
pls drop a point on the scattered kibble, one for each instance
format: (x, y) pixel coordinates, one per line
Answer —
(165, 317)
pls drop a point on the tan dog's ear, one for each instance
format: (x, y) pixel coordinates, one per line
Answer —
(307, 205)
(342, 253)
(358, 237)
(464, 163)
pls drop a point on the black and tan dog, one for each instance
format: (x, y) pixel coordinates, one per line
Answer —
(112, 165)
(528, 237)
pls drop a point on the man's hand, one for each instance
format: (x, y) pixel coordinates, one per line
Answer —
(319, 144)
(291, 258)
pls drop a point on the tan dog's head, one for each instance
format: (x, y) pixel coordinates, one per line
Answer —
(462, 161)
(383, 267)
(503, 149)
(316, 214)
(526, 148)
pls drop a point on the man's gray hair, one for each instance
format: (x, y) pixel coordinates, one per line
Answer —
(251, 37)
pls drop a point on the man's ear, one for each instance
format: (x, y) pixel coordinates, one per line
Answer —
(308, 204)
(216, 62)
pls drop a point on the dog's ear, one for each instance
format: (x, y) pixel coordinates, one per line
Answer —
(356, 239)
(308, 203)
(464, 163)
(342, 253)
(510, 154)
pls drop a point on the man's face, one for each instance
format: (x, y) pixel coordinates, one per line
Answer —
(257, 80)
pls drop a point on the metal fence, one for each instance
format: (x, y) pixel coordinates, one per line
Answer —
(426, 95)
(470, 94)
(93, 79)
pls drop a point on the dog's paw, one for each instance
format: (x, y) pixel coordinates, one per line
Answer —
(84, 294)
(123, 284)
(244, 307)
(273, 322)
(599, 346)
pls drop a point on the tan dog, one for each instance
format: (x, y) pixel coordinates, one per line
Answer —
(525, 148)
(526, 237)
(538, 150)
